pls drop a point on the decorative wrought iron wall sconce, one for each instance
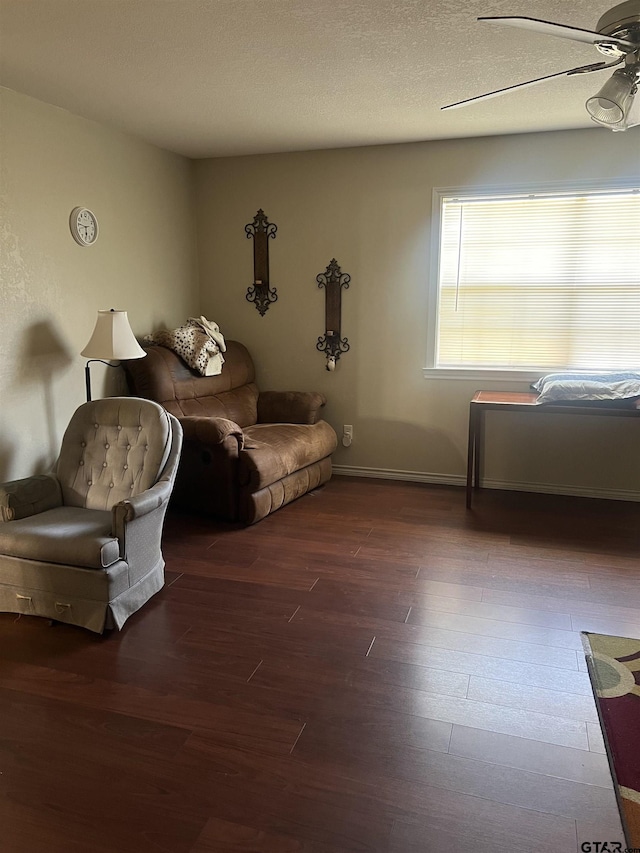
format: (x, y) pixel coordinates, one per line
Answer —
(333, 280)
(260, 293)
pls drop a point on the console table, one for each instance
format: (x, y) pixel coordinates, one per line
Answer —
(523, 401)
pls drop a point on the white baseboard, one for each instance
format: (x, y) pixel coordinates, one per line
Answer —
(408, 476)
(460, 480)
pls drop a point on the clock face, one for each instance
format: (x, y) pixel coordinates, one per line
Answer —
(84, 226)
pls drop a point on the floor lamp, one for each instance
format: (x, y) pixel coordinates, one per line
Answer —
(112, 340)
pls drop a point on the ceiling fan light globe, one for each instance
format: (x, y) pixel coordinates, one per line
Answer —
(630, 117)
(610, 104)
(603, 111)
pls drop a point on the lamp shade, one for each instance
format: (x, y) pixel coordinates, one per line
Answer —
(112, 338)
(609, 106)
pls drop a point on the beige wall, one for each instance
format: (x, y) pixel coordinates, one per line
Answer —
(50, 288)
(370, 208)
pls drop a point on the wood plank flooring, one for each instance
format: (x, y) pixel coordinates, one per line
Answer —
(372, 669)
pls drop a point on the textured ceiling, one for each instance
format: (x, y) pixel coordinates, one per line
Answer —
(221, 77)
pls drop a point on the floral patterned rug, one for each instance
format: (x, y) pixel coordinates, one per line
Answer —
(614, 669)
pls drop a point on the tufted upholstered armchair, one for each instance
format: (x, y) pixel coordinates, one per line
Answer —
(246, 452)
(82, 545)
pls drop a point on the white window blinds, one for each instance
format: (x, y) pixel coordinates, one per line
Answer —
(540, 281)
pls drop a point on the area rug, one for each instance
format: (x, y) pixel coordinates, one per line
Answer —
(614, 669)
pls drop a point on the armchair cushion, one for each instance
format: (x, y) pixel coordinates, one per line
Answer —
(68, 535)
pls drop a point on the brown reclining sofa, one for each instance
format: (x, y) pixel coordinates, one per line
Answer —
(246, 453)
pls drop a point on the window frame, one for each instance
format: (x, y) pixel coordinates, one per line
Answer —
(431, 371)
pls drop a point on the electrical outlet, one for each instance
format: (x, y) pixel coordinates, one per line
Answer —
(347, 429)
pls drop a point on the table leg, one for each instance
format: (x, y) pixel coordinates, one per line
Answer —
(471, 452)
(478, 431)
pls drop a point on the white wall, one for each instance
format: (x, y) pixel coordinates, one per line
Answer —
(370, 208)
(51, 288)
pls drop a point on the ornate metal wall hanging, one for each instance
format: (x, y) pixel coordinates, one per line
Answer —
(333, 280)
(260, 293)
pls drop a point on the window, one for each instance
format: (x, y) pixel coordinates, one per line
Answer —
(536, 281)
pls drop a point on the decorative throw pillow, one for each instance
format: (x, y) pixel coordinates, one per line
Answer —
(597, 387)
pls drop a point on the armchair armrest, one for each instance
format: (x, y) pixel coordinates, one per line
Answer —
(290, 407)
(211, 430)
(125, 513)
(29, 496)
(141, 504)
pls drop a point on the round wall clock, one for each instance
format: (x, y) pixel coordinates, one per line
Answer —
(84, 226)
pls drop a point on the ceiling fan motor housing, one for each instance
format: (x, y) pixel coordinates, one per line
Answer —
(623, 21)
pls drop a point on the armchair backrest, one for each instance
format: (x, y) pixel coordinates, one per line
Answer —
(164, 377)
(113, 449)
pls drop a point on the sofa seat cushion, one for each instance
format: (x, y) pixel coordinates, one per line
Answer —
(69, 535)
(273, 451)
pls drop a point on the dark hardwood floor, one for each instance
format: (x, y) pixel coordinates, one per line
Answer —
(372, 668)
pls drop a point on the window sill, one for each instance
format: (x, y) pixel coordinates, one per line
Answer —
(482, 373)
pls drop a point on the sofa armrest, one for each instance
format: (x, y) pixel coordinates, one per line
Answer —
(22, 498)
(290, 407)
(211, 430)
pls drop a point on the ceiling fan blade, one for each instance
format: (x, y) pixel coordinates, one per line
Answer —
(582, 69)
(562, 31)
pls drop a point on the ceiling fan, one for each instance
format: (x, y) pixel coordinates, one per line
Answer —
(617, 35)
